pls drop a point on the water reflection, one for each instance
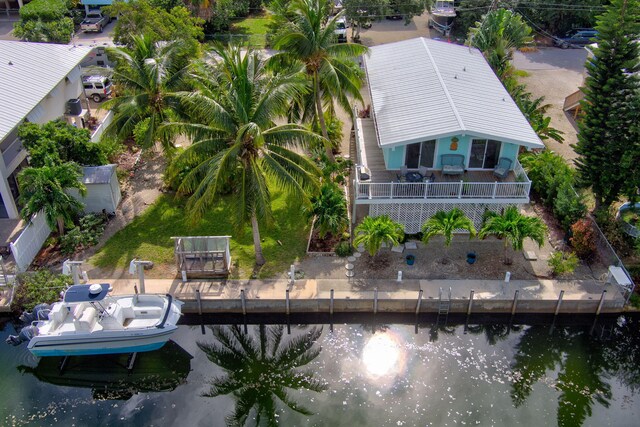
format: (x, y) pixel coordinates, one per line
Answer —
(108, 377)
(384, 354)
(261, 368)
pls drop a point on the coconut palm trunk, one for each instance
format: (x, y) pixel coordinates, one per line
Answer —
(320, 113)
(60, 223)
(255, 228)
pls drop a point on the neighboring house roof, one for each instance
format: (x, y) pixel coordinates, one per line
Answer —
(425, 89)
(28, 73)
(97, 174)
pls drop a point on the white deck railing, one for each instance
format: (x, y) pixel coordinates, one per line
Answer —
(446, 190)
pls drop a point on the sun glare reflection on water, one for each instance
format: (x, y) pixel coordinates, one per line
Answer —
(384, 355)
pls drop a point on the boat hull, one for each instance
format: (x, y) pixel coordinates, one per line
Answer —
(96, 344)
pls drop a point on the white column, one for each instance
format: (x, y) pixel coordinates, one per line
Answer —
(20, 3)
(5, 191)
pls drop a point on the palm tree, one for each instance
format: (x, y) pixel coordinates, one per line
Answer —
(237, 145)
(329, 208)
(513, 227)
(329, 65)
(445, 224)
(499, 33)
(260, 368)
(147, 76)
(374, 231)
(44, 189)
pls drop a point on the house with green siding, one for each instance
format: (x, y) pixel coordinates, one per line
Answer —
(440, 132)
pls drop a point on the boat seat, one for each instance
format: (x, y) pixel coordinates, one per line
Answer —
(58, 313)
(88, 319)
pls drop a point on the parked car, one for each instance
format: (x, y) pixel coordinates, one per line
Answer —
(96, 87)
(576, 38)
(95, 20)
(341, 30)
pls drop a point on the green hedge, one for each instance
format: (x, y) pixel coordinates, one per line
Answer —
(44, 10)
(552, 180)
(39, 287)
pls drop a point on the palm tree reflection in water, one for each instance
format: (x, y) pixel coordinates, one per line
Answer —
(261, 367)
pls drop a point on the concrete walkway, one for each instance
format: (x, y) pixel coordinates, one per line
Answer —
(584, 295)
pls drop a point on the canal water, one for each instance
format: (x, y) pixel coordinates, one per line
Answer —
(357, 375)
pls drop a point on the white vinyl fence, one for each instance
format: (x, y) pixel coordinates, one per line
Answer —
(28, 244)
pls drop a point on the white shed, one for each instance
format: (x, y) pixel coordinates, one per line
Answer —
(103, 189)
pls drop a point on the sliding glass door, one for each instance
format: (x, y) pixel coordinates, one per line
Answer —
(420, 154)
(484, 153)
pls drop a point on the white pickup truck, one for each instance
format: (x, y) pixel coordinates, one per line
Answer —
(94, 21)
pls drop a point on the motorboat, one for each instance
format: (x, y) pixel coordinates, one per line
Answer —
(89, 321)
(442, 15)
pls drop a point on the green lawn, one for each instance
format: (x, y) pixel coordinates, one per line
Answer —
(254, 27)
(148, 237)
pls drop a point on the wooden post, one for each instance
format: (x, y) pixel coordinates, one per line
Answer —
(604, 293)
(515, 302)
(470, 302)
(375, 300)
(559, 303)
(331, 303)
(199, 302)
(288, 307)
(243, 302)
(419, 302)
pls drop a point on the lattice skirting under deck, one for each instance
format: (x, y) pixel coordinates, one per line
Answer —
(413, 215)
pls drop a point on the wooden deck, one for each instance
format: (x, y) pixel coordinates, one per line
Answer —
(480, 185)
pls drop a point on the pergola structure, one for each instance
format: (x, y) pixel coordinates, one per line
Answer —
(202, 256)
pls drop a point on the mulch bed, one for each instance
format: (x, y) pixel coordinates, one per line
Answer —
(556, 232)
(323, 245)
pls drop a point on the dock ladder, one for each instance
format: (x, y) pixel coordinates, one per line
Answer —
(444, 305)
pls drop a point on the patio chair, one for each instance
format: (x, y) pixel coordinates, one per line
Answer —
(430, 178)
(452, 164)
(502, 168)
(422, 170)
(402, 176)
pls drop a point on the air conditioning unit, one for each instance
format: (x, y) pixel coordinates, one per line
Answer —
(74, 108)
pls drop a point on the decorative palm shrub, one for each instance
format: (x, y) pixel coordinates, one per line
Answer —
(513, 227)
(374, 231)
(446, 224)
(329, 208)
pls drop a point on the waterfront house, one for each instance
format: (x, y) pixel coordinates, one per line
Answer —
(441, 132)
(37, 83)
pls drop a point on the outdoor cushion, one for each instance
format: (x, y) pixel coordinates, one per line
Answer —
(502, 168)
(452, 164)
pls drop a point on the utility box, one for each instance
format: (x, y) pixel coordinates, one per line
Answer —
(74, 108)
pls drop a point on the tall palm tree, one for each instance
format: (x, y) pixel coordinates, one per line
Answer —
(237, 145)
(260, 368)
(513, 227)
(374, 231)
(445, 224)
(147, 76)
(497, 35)
(44, 189)
(329, 65)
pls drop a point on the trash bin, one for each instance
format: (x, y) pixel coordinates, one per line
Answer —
(410, 259)
(471, 257)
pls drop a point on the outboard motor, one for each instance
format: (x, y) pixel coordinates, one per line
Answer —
(25, 334)
(40, 312)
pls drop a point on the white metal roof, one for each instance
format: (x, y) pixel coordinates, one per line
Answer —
(28, 72)
(424, 89)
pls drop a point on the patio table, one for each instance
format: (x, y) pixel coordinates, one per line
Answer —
(413, 177)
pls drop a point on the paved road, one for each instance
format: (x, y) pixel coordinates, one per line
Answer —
(555, 73)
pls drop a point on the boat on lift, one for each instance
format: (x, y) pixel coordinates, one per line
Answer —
(442, 15)
(89, 321)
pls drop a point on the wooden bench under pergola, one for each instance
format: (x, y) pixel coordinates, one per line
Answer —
(199, 257)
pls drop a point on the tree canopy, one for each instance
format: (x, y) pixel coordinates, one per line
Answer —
(45, 21)
(609, 137)
(60, 142)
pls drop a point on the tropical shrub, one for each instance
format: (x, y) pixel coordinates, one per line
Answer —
(513, 227)
(562, 263)
(329, 208)
(343, 249)
(374, 231)
(446, 224)
(87, 233)
(583, 238)
(40, 287)
(44, 21)
(60, 142)
(613, 231)
(568, 206)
